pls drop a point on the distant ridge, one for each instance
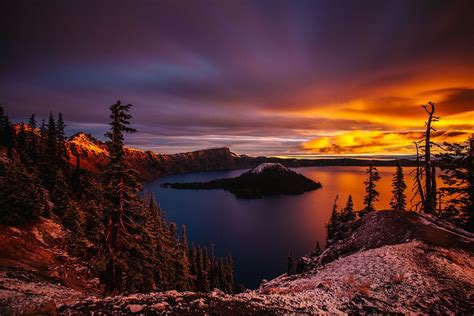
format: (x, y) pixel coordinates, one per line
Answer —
(93, 157)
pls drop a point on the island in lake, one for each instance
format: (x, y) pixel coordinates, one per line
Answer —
(265, 179)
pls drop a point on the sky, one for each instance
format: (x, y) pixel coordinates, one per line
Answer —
(275, 78)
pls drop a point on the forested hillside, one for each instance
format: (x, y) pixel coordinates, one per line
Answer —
(102, 217)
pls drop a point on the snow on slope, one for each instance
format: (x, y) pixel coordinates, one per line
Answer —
(390, 261)
(268, 165)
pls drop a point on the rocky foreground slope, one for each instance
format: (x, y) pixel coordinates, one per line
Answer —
(390, 261)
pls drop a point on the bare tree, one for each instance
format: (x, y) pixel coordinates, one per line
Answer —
(425, 169)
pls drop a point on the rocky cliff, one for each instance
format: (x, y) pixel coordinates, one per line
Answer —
(93, 156)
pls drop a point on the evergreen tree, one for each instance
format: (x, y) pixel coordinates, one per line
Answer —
(291, 264)
(43, 138)
(62, 153)
(21, 144)
(7, 135)
(22, 199)
(2, 126)
(230, 274)
(51, 139)
(121, 190)
(213, 269)
(318, 251)
(348, 214)
(399, 186)
(49, 166)
(64, 207)
(370, 188)
(203, 271)
(32, 122)
(32, 140)
(223, 286)
(194, 265)
(457, 164)
(334, 221)
(183, 275)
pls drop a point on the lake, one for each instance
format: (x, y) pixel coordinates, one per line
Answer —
(260, 233)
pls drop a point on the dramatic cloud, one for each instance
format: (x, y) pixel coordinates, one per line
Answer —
(376, 143)
(287, 78)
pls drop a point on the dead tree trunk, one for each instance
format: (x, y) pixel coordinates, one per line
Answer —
(418, 175)
(430, 176)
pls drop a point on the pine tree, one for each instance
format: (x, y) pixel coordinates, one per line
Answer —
(291, 264)
(194, 266)
(213, 271)
(230, 274)
(348, 214)
(51, 139)
(318, 251)
(121, 189)
(203, 271)
(64, 207)
(32, 140)
(223, 286)
(21, 144)
(334, 221)
(457, 164)
(183, 275)
(370, 188)
(62, 153)
(22, 199)
(399, 186)
(43, 138)
(2, 125)
(49, 166)
(8, 135)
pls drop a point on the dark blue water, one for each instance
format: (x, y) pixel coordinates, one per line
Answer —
(260, 233)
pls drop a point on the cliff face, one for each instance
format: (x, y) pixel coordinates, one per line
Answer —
(93, 156)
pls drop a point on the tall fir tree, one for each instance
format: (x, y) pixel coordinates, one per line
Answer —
(334, 221)
(203, 271)
(22, 199)
(348, 214)
(62, 156)
(399, 186)
(290, 270)
(230, 273)
(7, 134)
(371, 194)
(457, 164)
(318, 251)
(183, 275)
(121, 188)
(33, 139)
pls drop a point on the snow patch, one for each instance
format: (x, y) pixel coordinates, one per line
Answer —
(268, 165)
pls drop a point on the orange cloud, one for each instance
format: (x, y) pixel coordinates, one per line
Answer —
(375, 142)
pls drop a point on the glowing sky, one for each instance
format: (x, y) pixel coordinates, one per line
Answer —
(287, 78)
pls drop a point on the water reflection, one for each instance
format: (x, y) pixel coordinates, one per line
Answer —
(260, 233)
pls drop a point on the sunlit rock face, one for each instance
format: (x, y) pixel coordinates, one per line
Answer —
(93, 156)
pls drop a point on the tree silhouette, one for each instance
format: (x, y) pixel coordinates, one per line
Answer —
(371, 194)
(121, 189)
(399, 186)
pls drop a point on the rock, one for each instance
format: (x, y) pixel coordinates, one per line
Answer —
(135, 308)
(160, 307)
